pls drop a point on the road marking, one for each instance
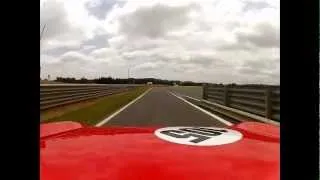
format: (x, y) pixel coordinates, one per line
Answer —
(120, 110)
(192, 98)
(204, 111)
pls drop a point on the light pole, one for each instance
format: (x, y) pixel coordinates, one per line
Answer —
(128, 73)
(41, 35)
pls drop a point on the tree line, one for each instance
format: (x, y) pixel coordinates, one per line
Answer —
(110, 80)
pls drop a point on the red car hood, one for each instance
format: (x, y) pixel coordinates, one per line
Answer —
(247, 151)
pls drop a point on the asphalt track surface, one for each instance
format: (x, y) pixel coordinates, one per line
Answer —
(160, 108)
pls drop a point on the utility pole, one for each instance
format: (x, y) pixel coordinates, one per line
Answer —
(41, 35)
(42, 31)
(129, 75)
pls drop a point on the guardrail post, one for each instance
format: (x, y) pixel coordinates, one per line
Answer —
(268, 104)
(225, 96)
(204, 91)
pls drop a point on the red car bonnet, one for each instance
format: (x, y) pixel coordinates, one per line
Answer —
(247, 151)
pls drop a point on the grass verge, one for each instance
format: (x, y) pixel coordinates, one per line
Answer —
(94, 113)
(59, 111)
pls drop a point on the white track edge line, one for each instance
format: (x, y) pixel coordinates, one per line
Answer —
(204, 111)
(192, 98)
(120, 110)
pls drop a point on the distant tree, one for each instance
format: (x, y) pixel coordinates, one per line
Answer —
(83, 80)
(110, 80)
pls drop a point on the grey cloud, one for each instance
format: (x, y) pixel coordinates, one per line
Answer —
(234, 47)
(53, 15)
(73, 57)
(100, 41)
(149, 66)
(203, 26)
(103, 53)
(168, 56)
(144, 58)
(232, 25)
(87, 49)
(138, 45)
(185, 68)
(154, 21)
(265, 37)
(259, 66)
(275, 76)
(202, 60)
(260, 63)
(100, 8)
(60, 50)
(251, 5)
(249, 70)
(142, 47)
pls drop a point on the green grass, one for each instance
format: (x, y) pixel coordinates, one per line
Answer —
(96, 112)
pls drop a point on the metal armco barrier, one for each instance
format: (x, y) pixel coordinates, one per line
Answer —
(262, 101)
(54, 95)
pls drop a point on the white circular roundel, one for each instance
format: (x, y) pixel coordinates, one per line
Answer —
(198, 136)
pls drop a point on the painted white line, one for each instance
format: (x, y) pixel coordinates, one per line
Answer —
(120, 110)
(204, 111)
(195, 99)
(192, 98)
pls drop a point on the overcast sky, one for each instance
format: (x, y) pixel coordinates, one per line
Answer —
(218, 41)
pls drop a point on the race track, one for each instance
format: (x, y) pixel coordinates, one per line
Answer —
(160, 108)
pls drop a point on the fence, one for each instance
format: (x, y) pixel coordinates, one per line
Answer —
(262, 101)
(53, 95)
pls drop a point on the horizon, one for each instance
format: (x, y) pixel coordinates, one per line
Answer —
(157, 79)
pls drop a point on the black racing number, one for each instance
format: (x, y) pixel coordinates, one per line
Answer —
(205, 131)
(183, 134)
(201, 134)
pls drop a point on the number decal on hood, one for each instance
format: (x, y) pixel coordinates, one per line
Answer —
(198, 136)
